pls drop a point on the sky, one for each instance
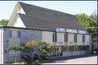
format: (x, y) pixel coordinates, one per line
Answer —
(70, 7)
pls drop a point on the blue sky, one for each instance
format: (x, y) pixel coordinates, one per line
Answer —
(71, 7)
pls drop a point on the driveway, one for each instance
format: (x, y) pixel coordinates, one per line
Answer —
(86, 60)
(91, 59)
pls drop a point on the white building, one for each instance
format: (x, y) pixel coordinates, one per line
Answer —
(29, 22)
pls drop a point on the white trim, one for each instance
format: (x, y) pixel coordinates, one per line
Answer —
(19, 23)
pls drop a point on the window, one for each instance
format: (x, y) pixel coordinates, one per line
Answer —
(75, 37)
(19, 34)
(75, 47)
(71, 48)
(54, 37)
(10, 34)
(14, 34)
(64, 48)
(66, 37)
(14, 53)
(83, 38)
(82, 48)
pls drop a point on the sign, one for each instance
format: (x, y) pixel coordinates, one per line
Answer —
(71, 30)
(81, 31)
(60, 29)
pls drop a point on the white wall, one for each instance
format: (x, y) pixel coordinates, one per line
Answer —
(19, 23)
(47, 36)
(70, 39)
(79, 39)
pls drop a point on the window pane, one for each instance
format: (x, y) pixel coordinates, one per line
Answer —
(83, 38)
(65, 37)
(71, 48)
(54, 37)
(75, 37)
(19, 34)
(14, 34)
(10, 33)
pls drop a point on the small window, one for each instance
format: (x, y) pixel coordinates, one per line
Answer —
(83, 38)
(64, 48)
(66, 37)
(71, 48)
(76, 48)
(54, 37)
(81, 48)
(75, 37)
(14, 34)
(10, 34)
(19, 34)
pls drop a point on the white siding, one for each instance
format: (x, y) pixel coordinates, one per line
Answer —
(70, 39)
(87, 39)
(79, 39)
(13, 17)
(47, 36)
(21, 10)
(19, 23)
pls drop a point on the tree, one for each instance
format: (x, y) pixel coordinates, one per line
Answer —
(15, 48)
(87, 21)
(90, 24)
(40, 48)
(31, 44)
(3, 22)
(43, 54)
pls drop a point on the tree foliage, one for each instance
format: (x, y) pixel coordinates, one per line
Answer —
(89, 22)
(3, 22)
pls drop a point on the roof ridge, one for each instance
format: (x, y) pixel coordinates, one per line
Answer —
(45, 8)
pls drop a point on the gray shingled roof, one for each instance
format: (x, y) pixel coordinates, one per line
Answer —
(42, 18)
